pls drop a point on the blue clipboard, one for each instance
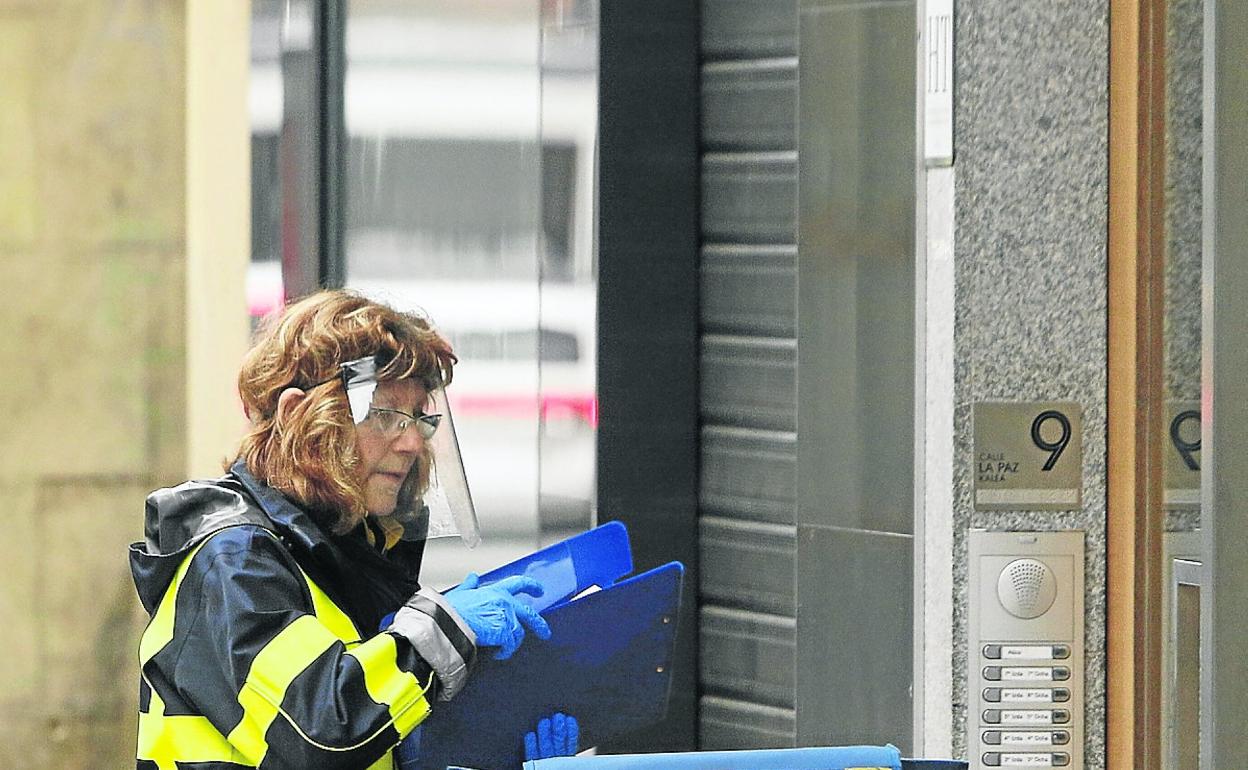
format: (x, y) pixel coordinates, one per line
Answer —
(607, 663)
(598, 557)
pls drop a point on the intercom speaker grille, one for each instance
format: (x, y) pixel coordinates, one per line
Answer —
(1027, 588)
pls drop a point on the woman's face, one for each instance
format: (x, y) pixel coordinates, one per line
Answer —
(385, 460)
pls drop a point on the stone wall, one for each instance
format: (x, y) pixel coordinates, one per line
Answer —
(92, 245)
(1031, 116)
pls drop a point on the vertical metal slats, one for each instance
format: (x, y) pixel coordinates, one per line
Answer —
(749, 475)
(730, 724)
(749, 104)
(748, 540)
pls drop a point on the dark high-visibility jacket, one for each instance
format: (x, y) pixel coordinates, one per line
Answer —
(263, 649)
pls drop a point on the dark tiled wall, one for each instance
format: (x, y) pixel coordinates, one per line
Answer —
(856, 331)
(806, 504)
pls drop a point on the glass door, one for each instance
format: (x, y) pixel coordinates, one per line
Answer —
(1181, 437)
(439, 155)
(1224, 387)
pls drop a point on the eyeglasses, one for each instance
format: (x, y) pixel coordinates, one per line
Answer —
(392, 422)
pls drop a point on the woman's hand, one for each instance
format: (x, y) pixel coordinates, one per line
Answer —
(494, 613)
(557, 736)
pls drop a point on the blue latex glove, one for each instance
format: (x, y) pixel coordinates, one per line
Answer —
(557, 736)
(494, 613)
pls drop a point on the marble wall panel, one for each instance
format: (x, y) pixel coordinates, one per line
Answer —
(1031, 194)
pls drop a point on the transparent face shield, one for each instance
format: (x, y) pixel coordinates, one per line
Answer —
(445, 509)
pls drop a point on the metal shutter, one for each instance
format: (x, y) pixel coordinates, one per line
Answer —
(748, 374)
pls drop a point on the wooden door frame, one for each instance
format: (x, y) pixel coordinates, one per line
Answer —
(1135, 399)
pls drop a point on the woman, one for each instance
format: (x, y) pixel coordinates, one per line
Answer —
(267, 587)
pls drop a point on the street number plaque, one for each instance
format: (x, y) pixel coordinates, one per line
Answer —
(1181, 454)
(1028, 456)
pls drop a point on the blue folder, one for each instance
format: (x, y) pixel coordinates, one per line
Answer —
(607, 663)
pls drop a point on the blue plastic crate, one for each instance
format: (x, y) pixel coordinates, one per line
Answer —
(809, 758)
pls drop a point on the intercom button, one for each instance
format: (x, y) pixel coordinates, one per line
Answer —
(1061, 651)
(1027, 694)
(992, 737)
(1027, 674)
(1061, 716)
(1026, 717)
(992, 716)
(1061, 694)
(992, 673)
(1061, 760)
(992, 651)
(1026, 760)
(992, 694)
(1026, 652)
(992, 758)
(1060, 737)
(1061, 673)
(1019, 739)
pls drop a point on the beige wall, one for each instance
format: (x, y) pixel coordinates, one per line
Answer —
(94, 351)
(218, 235)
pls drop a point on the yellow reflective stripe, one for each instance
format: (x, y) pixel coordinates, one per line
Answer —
(167, 740)
(390, 685)
(163, 739)
(386, 683)
(385, 763)
(330, 616)
(272, 671)
(159, 631)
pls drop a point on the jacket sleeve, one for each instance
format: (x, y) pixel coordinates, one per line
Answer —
(258, 659)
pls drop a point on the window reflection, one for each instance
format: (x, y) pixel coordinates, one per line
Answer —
(265, 101)
(567, 334)
(469, 197)
(1181, 437)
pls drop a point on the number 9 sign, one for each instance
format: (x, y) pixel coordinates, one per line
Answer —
(1186, 449)
(1028, 456)
(1181, 456)
(1055, 448)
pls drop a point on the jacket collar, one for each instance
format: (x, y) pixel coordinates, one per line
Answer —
(301, 527)
(357, 578)
(308, 531)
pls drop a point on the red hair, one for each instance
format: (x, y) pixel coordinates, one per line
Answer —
(311, 454)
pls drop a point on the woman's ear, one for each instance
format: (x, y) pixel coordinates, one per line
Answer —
(286, 402)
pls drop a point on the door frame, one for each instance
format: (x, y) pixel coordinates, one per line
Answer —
(1136, 278)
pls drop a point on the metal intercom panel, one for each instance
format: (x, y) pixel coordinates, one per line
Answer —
(1025, 649)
